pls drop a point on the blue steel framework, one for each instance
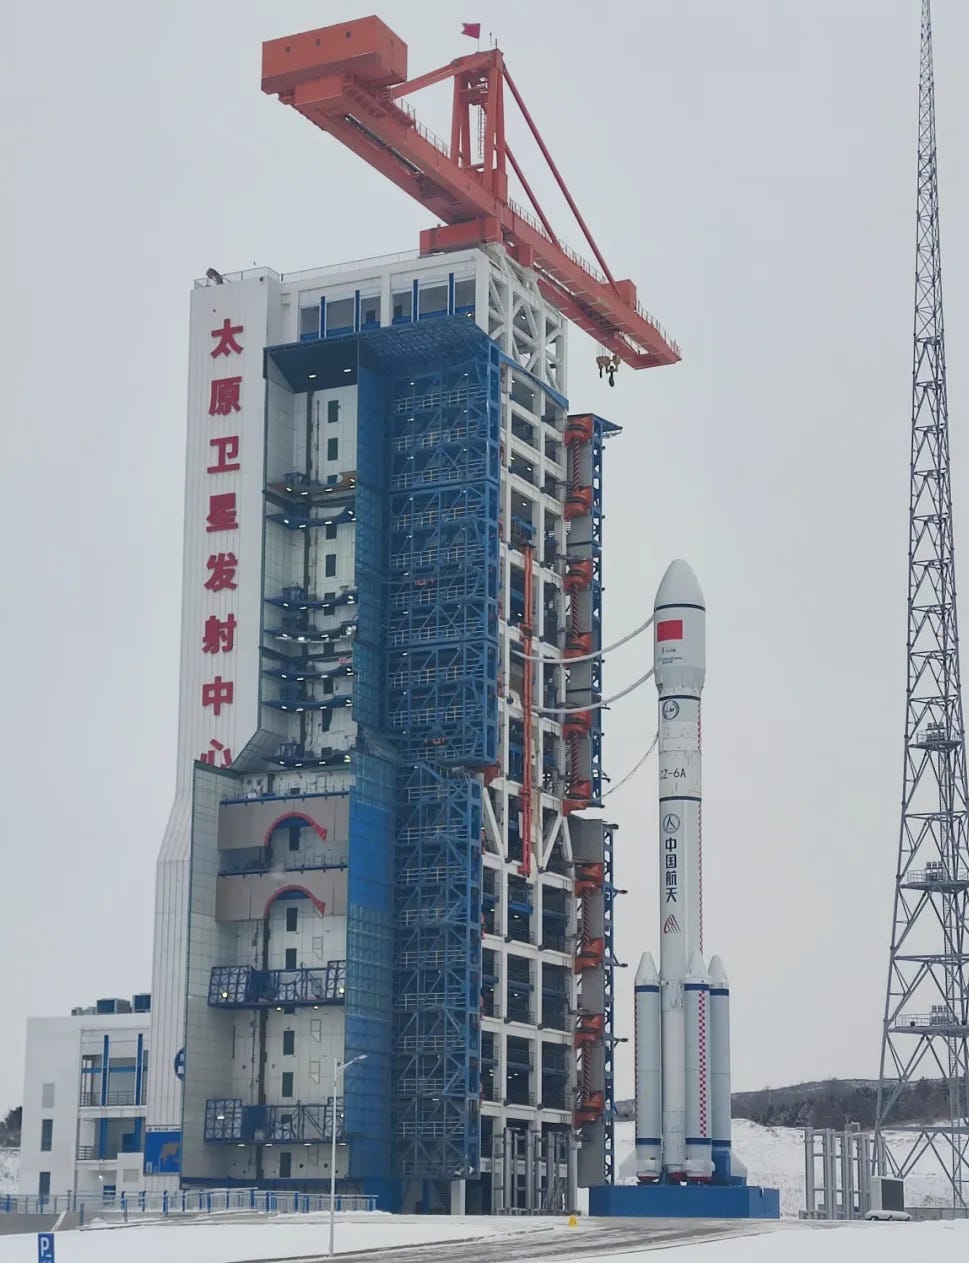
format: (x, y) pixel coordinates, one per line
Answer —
(229, 1121)
(441, 682)
(241, 986)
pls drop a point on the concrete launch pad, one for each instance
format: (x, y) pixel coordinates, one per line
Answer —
(685, 1201)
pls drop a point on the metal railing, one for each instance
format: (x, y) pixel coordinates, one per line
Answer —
(939, 1017)
(115, 1096)
(123, 1206)
(254, 860)
(311, 274)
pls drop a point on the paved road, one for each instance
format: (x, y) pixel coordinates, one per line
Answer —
(592, 1237)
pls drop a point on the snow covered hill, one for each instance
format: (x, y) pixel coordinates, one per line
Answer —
(774, 1156)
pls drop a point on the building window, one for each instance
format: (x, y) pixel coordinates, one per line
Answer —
(332, 411)
(290, 958)
(293, 844)
(43, 1184)
(289, 1009)
(403, 304)
(47, 1096)
(289, 1043)
(287, 1090)
(464, 294)
(332, 449)
(339, 315)
(285, 1165)
(330, 530)
(292, 918)
(309, 321)
(329, 565)
(433, 301)
(46, 1134)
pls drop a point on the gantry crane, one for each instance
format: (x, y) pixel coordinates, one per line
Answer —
(350, 80)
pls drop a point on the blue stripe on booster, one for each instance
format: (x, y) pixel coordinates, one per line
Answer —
(648, 1140)
(645, 986)
(719, 990)
(696, 986)
(698, 1140)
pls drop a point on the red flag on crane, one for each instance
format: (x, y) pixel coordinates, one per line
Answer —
(473, 29)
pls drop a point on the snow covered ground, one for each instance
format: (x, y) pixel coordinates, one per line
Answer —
(9, 1169)
(774, 1156)
(222, 1241)
(284, 1238)
(850, 1243)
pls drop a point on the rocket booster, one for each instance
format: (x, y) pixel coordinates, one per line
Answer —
(682, 1053)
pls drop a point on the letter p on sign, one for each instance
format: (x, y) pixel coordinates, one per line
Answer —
(45, 1247)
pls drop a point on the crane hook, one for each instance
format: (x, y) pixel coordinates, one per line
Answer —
(608, 364)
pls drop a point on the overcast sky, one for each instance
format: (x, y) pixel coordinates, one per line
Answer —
(751, 166)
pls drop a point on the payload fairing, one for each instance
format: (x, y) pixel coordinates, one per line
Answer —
(683, 1009)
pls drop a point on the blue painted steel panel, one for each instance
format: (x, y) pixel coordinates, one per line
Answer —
(685, 1201)
(139, 1069)
(163, 1152)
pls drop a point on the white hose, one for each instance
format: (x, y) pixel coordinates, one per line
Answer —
(586, 657)
(570, 710)
(633, 770)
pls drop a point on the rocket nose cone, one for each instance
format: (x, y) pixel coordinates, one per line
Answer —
(718, 975)
(646, 973)
(679, 586)
(697, 971)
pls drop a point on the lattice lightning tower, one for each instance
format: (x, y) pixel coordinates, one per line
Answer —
(926, 1027)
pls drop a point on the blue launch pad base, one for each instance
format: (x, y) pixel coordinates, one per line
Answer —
(685, 1201)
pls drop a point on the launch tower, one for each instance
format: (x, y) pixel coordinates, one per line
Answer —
(926, 1023)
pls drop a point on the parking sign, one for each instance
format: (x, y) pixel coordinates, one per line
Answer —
(45, 1247)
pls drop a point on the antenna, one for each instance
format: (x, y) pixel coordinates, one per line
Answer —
(926, 1027)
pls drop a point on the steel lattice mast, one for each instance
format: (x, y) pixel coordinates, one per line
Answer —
(926, 1029)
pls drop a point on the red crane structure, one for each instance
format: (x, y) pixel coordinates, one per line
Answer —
(350, 79)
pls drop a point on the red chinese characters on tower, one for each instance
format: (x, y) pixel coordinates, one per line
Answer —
(217, 694)
(216, 748)
(222, 569)
(227, 448)
(219, 635)
(224, 396)
(222, 513)
(227, 344)
(219, 631)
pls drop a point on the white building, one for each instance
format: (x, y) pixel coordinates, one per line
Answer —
(387, 506)
(85, 1094)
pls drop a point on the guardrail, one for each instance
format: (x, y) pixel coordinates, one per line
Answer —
(124, 1206)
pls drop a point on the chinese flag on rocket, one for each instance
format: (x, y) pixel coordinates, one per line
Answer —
(473, 29)
(670, 629)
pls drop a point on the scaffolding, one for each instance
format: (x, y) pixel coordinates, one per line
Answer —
(441, 673)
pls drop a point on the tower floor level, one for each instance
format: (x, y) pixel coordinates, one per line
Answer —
(380, 851)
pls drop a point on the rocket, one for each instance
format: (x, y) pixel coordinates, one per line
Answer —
(682, 1010)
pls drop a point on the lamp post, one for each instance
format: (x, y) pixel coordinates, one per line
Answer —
(339, 1068)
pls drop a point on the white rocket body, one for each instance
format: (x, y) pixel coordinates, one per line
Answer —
(692, 1090)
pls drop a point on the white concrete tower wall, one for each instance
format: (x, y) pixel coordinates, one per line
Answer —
(221, 616)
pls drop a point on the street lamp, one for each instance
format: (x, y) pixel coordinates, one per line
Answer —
(338, 1069)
